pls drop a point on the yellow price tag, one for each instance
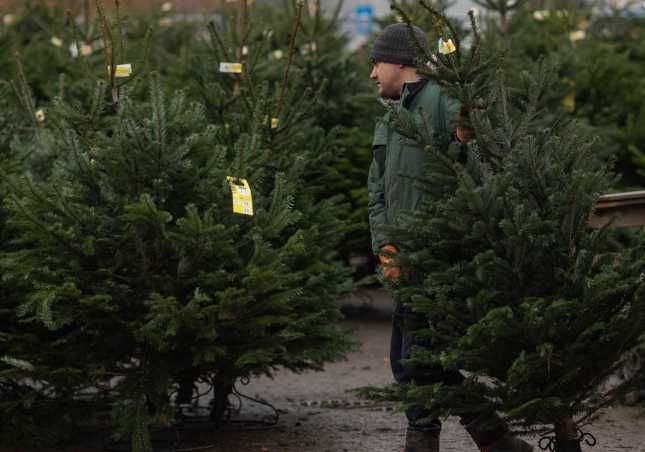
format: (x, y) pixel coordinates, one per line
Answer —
(242, 197)
(231, 68)
(86, 50)
(446, 47)
(569, 102)
(56, 41)
(122, 70)
(577, 35)
(274, 123)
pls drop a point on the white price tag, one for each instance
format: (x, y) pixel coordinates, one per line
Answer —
(231, 68)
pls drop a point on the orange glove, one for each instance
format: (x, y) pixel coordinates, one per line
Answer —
(463, 131)
(463, 134)
(390, 271)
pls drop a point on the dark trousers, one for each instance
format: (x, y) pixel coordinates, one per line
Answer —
(483, 427)
(404, 323)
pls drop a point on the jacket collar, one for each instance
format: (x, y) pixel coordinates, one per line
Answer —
(410, 90)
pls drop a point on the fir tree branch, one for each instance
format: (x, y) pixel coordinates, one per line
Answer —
(317, 17)
(119, 30)
(216, 38)
(260, 51)
(141, 66)
(440, 20)
(334, 16)
(98, 98)
(242, 30)
(34, 220)
(108, 44)
(475, 48)
(22, 90)
(292, 44)
(158, 117)
(61, 86)
(86, 16)
(80, 37)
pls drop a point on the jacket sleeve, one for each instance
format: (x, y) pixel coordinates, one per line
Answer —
(376, 189)
(449, 113)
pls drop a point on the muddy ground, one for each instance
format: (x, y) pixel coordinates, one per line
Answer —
(317, 414)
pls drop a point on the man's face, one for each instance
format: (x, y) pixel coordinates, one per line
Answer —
(388, 78)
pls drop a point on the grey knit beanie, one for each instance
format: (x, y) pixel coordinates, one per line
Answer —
(395, 44)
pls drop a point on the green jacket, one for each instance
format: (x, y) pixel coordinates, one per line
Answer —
(399, 161)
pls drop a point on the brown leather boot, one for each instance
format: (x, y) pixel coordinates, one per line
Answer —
(491, 434)
(421, 441)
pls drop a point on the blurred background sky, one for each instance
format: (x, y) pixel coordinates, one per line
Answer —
(357, 15)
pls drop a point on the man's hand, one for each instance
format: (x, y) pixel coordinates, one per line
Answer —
(463, 131)
(390, 271)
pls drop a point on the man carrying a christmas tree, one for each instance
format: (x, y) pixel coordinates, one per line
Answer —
(398, 163)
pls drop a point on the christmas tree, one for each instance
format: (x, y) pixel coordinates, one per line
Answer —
(40, 33)
(598, 53)
(172, 243)
(523, 300)
(163, 41)
(320, 64)
(26, 411)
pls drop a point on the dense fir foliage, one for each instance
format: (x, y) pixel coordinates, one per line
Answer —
(129, 275)
(15, 338)
(319, 66)
(599, 53)
(126, 277)
(534, 307)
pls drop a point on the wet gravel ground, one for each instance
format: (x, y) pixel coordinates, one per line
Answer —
(317, 414)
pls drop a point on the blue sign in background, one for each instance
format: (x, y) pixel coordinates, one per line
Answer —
(363, 19)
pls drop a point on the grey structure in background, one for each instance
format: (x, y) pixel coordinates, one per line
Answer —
(380, 8)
